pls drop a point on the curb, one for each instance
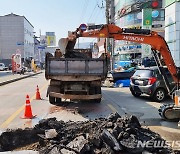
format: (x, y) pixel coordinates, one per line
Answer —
(13, 80)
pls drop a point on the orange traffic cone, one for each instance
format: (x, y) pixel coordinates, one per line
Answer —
(38, 96)
(28, 111)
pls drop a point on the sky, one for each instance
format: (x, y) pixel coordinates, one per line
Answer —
(59, 16)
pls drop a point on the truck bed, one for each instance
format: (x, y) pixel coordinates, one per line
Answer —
(75, 66)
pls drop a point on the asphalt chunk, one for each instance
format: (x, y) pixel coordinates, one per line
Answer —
(114, 134)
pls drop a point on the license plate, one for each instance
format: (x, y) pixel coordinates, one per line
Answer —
(76, 87)
(138, 82)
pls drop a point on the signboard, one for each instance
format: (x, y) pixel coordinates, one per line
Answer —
(147, 17)
(43, 40)
(146, 24)
(51, 40)
(146, 50)
(16, 63)
(13, 62)
(17, 58)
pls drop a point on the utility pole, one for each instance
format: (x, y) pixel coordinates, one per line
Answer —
(110, 41)
(107, 22)
(107, 11)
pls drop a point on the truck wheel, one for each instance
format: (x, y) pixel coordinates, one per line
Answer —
(51, 100)
(97, 100)
(98, 90)
(58, 101)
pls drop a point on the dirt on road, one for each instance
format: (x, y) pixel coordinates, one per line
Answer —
(114, 134)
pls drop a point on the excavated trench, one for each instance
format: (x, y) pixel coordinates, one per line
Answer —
(111, 135)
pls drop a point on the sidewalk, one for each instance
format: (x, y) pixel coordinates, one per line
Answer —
(12, 78)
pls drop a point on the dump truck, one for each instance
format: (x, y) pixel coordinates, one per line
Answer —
(74, 74)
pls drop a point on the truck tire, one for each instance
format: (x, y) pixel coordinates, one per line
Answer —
(51, 100)
(58, 101)
(98, 90)
(55, 101)
(97, 100)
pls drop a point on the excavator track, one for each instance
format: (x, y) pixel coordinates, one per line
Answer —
(169, 112)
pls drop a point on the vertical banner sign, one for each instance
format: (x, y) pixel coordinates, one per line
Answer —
(147, 17)
(13, 62)
(146, 24)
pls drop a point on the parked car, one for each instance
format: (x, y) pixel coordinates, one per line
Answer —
(3, 67)
(149, 81)
(10, 67)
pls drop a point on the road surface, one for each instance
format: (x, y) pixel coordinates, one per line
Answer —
(5, 73)
(13, 98)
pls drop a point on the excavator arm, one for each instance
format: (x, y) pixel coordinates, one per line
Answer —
(143, 36)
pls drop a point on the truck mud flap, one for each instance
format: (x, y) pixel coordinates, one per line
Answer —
(47, 93)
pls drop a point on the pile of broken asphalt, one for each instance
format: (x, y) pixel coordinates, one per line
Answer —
(111, 135)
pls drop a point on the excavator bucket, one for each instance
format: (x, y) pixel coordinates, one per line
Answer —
(65, 44)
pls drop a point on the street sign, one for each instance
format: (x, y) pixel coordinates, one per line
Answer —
(41, 47)
(83, 27)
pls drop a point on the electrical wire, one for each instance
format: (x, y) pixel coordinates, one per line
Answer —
(100, 14)
(92, 12)
(84, 10)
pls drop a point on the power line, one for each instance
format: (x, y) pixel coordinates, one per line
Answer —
(92, 13)
(97, 11)
(84, 10)
(100, 13)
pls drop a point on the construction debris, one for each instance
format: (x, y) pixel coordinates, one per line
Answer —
(75, 54)
(111, 135)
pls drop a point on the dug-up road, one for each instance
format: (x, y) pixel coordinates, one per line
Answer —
(13, 98)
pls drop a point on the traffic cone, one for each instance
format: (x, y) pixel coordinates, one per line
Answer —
(28, 111)
(38, 96)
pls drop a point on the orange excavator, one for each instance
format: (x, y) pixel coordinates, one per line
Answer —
(144, 36)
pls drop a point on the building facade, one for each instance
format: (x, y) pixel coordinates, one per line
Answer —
(16, 36)
(172, 28)
(37, 51)
(128, 14)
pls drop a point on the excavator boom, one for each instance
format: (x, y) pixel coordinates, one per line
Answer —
(142, 36)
